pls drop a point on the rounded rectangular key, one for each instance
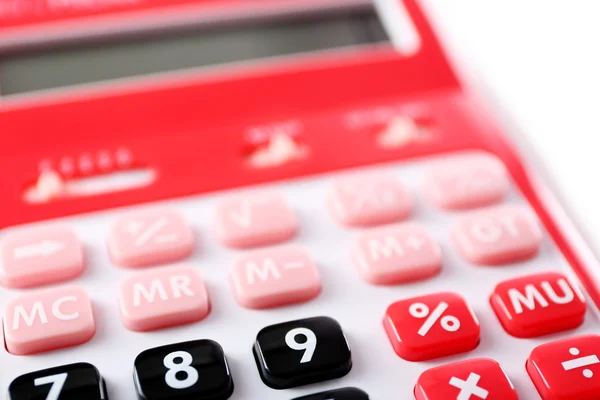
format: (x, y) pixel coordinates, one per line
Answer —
(254, 219)
(537, 305)
(466, 181)
(497, 235)
(163, 297)
(477, 379)
(567, 369)
(142, 239)
(369, 199)
(67, 382)
(275, 277)
(337, 394)
(302, 352)
(195, 370)
(432, 326)
(40, 256)
(396, 254)
(47, 320)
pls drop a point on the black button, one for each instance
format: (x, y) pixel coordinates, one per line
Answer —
(302, 352)
(68, 382)
(194, 370)
(339, 394)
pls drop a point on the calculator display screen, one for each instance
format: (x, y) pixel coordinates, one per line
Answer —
(78, 64)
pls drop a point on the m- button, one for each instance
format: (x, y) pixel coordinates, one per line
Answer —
(537, 305)
(274, 277)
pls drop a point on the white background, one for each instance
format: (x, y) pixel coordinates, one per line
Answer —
(540, 59)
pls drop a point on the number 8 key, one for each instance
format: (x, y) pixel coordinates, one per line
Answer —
(195, 370)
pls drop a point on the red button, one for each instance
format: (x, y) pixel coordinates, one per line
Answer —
(538, 304)
(475, 379)
(568, 369)
(431, 326)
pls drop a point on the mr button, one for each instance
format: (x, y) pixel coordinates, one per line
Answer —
(537, 305)
(302, 352)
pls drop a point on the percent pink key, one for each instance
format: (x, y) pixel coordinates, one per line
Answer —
(40, 256)
(369, 199)
(142, 239)
(47, 320)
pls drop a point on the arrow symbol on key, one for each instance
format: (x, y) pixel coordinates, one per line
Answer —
(44, 248)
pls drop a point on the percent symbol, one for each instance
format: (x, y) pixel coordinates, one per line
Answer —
(448, 322)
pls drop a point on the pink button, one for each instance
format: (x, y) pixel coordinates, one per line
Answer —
(148, 238)
(255, 219)
(162, 298)
(466, 181)
(48, 320)
(369, 199)
(40, 256)
(497, 235)
(396, 254)
(275, 277)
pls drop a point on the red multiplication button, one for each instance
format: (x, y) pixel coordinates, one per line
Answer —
(431, 326)
(568, 369)
(537, 305)
(475, 379)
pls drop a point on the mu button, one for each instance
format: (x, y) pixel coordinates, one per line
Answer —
(538, 304)
(302, 352)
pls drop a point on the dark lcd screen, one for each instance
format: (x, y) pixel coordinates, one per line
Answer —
(77, 64)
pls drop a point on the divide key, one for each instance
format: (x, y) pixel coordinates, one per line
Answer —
(339, 394)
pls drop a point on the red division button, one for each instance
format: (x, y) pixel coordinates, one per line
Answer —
(568, 369)
(431, 326)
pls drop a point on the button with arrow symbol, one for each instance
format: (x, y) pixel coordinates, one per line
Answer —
(40, 256)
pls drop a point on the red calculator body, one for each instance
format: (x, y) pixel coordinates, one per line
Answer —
(344, 224)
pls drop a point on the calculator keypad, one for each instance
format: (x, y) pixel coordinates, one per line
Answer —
(196, 370)
(255, 219)
(41, 256)
(540, 304)
(162, 298)
(465, 182)
(275, 277)
(432, 326)
(68, 382)
(497, 235)
(396, 254)
(477, 379)
(301, 352)
(147, 238)
(368, 200)
(338, 394)
(48, 319)
(395, 249)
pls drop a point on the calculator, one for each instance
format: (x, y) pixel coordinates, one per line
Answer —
(272, 200)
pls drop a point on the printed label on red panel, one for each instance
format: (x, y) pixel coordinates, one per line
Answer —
(538, 304)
